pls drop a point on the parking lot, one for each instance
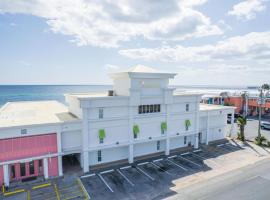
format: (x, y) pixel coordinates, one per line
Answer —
(152, 179)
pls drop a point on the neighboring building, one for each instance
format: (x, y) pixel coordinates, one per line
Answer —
(141, 116)
(237, 101)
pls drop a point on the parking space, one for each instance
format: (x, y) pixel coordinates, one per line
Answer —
(139, 181)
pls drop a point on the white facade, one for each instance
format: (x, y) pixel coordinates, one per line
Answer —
(118, 114)
(100, 128)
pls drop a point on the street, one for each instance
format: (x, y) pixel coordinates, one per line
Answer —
(247, 183)
(251, 129)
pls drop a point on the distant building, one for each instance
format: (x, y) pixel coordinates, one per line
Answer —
(141, 116)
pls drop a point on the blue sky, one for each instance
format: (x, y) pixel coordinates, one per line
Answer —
(207, 42)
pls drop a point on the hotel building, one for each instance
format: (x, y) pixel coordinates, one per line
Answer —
(141, 116)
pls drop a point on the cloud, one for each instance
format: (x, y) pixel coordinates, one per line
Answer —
(254, 46)
(107, 23)
(247, 9)
(111, 67)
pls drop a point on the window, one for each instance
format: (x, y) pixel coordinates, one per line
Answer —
(101, 140)
(22, 169)
(153, 108)
(185, 139)
(187, 107)
(136, 131)
(100, 113)
(163, 127)
(187, 124)
(140, 109)
(40, 166)
(99, 155)
(13, 175)
(101, 135)
(31, 168)
(158, 145)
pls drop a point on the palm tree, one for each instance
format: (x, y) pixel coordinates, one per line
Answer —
(241, 121)
(264, 89)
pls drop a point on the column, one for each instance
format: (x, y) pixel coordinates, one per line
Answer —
(59, 149)
(207, 129)
(45, 168)
(197, 115)
(130, 133)
(85, 133)
(131, 158)
(6, 175)
(232, 125)
(167, 150)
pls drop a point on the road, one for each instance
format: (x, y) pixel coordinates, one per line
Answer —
(248, 183)
(251, 129)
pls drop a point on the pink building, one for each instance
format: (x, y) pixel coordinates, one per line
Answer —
(30, 140)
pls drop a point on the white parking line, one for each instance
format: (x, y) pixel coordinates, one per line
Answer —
(126, 167)
(220, 145)
(118, 170)
(158, 160)
(201, 157)
(172, 156)
(161, 168)
(191, 161)
(103, 180)
(198, 150)
(142, 171)
(108, 171)
(144, 163)
(88, 175)
(185, 153)
(233, 146)
(177, 165)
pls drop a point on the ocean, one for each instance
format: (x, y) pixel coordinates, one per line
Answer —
(11, 93)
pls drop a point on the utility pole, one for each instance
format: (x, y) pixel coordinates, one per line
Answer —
(260, 102)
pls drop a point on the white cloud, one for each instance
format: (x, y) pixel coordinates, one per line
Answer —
(111, 67)
(254, 46)
(247, 9)
(107, 23)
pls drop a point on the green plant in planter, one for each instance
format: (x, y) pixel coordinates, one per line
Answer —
(259, 140)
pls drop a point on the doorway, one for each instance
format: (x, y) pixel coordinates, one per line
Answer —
(71, 164)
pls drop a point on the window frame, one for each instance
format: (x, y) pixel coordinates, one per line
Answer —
(99, 158)
(100, 113)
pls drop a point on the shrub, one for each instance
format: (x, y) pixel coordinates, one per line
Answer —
(259, 140)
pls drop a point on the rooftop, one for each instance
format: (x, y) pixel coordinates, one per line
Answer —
(34, 112)
(205, 107)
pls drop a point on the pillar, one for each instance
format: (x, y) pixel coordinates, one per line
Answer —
(45, 168)
(232, 124)
(167, 151)
(197, 118)
(59, 149)
(207, 129)
(131, 154)
(85, 133)
(6, 175)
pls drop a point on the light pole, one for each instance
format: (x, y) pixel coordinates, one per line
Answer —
(260, 102)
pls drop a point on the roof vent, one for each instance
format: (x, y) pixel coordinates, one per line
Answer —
(111, 93)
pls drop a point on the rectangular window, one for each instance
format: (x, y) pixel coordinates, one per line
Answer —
(149, 108)
(158, 145)
(40, 162)
(140, 110)
(187, 107)
(100, 113)
(22, 169)
(13, 175)
(31, 168)
(101, 140)
(99, 156)
(185, 139)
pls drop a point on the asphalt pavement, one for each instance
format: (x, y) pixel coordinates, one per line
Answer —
(248, 183)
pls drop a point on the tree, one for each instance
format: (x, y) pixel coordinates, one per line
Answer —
(241, 121)
(264, 89)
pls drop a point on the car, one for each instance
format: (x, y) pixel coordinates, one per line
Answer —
(265, 125)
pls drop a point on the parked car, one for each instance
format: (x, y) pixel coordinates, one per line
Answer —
(265, 125)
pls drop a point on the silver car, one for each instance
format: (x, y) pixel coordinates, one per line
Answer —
(265, 125)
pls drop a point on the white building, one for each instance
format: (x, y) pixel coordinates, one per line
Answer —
(141, 116)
